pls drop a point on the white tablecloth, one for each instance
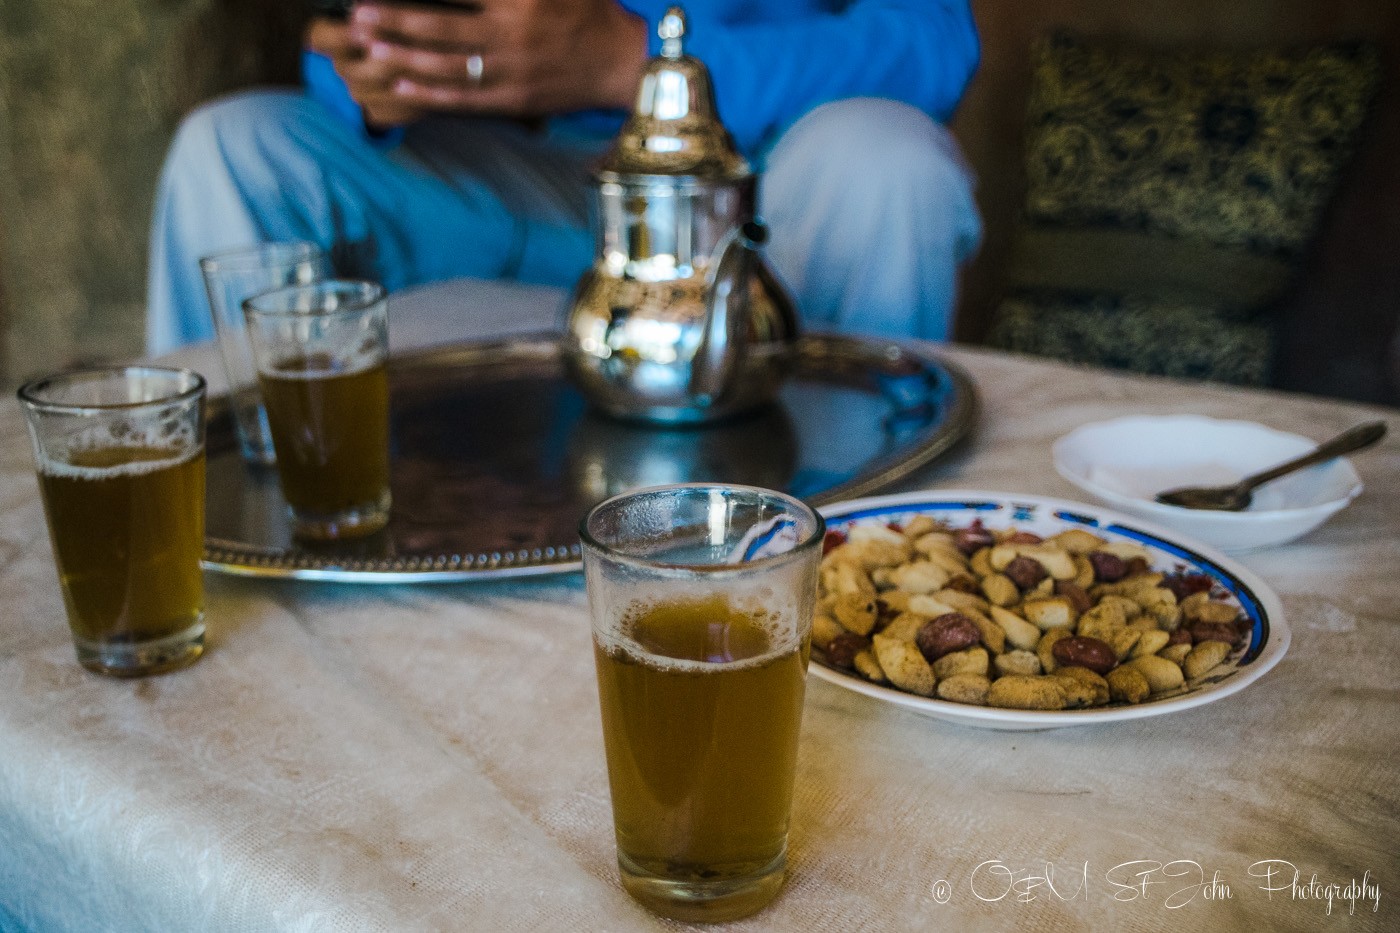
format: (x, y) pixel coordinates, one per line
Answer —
(429, 758)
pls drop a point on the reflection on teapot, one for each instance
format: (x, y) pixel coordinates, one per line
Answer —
(679, 320)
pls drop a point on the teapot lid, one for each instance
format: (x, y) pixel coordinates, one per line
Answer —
(674, 128)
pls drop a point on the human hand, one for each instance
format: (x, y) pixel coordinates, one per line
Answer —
(369, 81)
(519, 58)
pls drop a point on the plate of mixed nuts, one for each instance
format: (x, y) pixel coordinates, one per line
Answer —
(1021, 612)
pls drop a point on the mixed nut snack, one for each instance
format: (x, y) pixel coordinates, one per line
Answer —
(1008, 619)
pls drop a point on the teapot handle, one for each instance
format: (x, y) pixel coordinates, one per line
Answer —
(719, 356)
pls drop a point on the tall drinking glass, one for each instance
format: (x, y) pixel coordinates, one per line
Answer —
(231, 278)
(120, 457)
(701, 600)
(321, 353)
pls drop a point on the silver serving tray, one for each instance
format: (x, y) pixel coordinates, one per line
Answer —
(495, 458)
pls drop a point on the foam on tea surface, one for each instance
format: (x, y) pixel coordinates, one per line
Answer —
(697, 633)
(96, 463)
(326, 365)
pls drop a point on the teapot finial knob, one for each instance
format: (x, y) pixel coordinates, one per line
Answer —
(674, 127)
(671, 31)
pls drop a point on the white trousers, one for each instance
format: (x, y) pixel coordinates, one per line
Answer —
(869, 206)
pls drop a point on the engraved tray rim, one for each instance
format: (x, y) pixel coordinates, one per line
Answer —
(238, 558)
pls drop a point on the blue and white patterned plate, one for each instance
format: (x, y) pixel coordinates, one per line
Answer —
(1268, 639)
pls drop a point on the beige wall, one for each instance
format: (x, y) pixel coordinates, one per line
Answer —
(89, 95)
(86, 108)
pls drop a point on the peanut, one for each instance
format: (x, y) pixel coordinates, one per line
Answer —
(971, 661)
(929, 606)
(999, 589)
(1077, 541)
(1150, 642)
(919, 577)
(896, 601)
(842, 577)
(1019, 632)
(1024, 571)
(904, 665)
(1056, 612)
(1175, 653)
(948, 560)
(1204, 658)
(980, 562)
(856, 613)
(1083, 573)
(1081, 651)
(1208, 611)
(1215, 631)
(868, 667)
(945, 634)
(965, 688)
(1123, 641)
(1162, 675)
(962, 602)
(1108, 568)
(1016, 691)
(1017, 662)
(1101, 621)
(1131, 609)
(905, 626)
(1127, 685)
(972, 539)
(918, 526)
(993, 635)
(1082, 687)
(843, 649)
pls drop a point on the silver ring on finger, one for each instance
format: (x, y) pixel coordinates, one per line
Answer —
(475, 68)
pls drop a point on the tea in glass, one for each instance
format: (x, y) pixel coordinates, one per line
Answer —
(321, 355)
(120, 457)
(701, 653)
(720, 805)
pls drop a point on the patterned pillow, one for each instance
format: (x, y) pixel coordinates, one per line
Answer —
(1172, 193)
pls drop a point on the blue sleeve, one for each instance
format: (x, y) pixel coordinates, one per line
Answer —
(325, 86)
(767, 74)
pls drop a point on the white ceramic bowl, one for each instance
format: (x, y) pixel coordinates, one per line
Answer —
(1127, 461)
(1268, 638)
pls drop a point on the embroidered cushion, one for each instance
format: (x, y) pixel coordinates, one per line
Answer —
(1169, 197)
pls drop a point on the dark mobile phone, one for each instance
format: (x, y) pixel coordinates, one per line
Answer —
(340, 9)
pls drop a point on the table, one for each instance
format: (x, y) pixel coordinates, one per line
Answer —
(429, 758)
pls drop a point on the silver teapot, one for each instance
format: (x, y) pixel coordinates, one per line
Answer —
(679, 320)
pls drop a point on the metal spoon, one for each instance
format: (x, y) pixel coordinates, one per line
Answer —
(1236, 496)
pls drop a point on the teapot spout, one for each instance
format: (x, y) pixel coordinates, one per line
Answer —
(719, 356)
